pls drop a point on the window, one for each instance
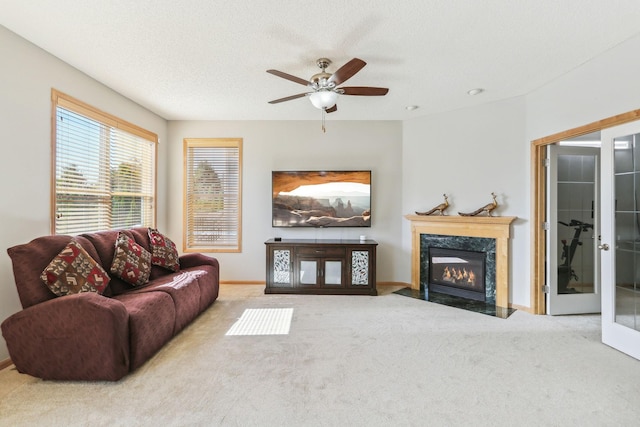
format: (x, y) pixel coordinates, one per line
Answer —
(212, 195)
(103, 170)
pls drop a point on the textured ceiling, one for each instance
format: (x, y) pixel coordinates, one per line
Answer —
(207, 59)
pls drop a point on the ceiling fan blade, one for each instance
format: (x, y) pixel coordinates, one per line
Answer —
(347, 71)
(364, 90)
(332, 109)
(289, 77)
(288, 98)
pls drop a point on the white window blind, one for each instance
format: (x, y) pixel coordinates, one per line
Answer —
(104, 174)
(212, 195)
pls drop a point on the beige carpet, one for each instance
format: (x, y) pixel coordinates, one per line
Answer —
(354, 361)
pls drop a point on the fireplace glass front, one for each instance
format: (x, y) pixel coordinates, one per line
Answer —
(457, 272)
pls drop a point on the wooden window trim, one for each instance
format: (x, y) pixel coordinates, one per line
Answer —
(69, 102)
(211, 142)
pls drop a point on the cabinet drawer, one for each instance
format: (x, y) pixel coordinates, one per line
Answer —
(320, 251)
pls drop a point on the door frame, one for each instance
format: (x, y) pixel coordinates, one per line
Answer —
(539, 197)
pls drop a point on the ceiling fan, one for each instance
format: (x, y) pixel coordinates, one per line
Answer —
(324, 90)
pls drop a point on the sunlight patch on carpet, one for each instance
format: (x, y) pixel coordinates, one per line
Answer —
(263, 321)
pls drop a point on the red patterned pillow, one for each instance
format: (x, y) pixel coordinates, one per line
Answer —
(73, 271)
(163, 251)
(131, 262)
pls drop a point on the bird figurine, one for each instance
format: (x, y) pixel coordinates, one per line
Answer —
(488, 208)
(440, 208)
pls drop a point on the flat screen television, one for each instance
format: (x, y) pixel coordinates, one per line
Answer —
(321, 198)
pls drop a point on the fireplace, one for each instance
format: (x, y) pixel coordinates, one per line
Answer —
(457, 272)
(487, 234)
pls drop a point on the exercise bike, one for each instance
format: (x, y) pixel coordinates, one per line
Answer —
(565, 272)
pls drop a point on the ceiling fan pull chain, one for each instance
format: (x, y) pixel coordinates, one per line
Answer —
(324, 130)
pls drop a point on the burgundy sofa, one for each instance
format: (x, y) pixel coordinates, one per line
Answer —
(88, 336)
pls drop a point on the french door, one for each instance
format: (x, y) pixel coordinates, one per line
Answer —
(620, 244)
(572, 268)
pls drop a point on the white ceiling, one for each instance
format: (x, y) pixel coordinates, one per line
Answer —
(207, 59)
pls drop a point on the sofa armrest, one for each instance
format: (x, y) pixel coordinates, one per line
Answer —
(76, 337)
(197, 259)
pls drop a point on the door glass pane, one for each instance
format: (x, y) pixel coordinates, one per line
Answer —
(576, 198)
(308, 272)
(333, 272)
(627, 226)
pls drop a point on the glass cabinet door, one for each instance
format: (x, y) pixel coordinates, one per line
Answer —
(320, 272)
(308, 272)
(333, 272)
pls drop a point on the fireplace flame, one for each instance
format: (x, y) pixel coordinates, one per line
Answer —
(459, 275)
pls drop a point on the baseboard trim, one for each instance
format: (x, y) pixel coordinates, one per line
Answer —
(393, 284)
(242, 282)
(5, 364)
(262, 282)
(522, 308)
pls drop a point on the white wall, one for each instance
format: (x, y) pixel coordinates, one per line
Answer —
(27, 75)
(468, 154)
(603, 87)
(291, 145)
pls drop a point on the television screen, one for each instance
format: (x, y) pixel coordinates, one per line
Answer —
(321, 198)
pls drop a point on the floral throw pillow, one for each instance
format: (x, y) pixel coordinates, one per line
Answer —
(73, 271)
(163, 251)
(131, 262)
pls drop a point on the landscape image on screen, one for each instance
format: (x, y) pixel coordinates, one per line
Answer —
(321, 198)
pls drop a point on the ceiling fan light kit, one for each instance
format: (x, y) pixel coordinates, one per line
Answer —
(323, 99)
(324, 86)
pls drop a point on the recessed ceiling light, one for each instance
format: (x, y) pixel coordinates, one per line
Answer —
(412, 107)
(475, 91)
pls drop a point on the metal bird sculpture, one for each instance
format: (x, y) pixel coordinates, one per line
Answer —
(488, 208)
(440, 208)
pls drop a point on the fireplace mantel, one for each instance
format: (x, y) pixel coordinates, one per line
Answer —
(496, 227)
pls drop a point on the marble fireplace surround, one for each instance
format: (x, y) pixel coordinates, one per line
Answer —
(496, 227)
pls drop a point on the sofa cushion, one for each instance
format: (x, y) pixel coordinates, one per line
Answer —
(131, 262)
(73, 271)
(163, 251)
(184, 291)
(152, 317)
